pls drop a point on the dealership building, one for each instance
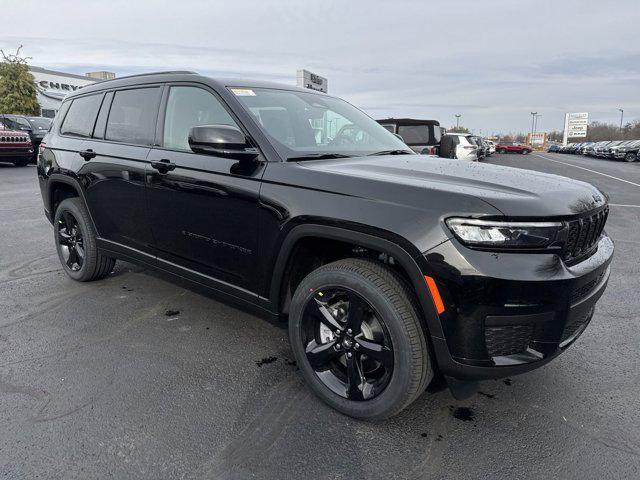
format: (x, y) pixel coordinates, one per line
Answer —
(53, 86)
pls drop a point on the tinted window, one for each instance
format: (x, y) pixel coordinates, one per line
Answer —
(81, 116)
(391, 128)
(101, 122)
(39, 123)
(414, 134)
(189, 107)
(132, 118)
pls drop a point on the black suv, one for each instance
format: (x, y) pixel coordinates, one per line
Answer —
(390, 267)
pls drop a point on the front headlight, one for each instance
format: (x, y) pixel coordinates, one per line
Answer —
(492, 234)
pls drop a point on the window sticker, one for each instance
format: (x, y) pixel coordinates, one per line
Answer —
(243, 92)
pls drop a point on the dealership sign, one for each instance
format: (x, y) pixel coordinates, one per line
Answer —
(307, 79)
(575, 125)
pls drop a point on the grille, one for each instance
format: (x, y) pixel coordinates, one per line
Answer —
(507, 340)
(12, 139)
(575, 325)
(584, 234)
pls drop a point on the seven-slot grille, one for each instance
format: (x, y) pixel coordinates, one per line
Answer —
(584, 234)
(14, 138)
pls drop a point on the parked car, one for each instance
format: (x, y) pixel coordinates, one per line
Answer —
(627, 151)
(590, 149)
(483, 149)
(390, 268)
(423, 136)
(492, 147)
(582, 150)
(15, 147)
(36, 127)
(459, 146)
(513, 148)
(600, 148)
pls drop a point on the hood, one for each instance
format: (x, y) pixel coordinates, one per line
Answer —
(513, 191)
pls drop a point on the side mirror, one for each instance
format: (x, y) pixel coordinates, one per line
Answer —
(221, 140)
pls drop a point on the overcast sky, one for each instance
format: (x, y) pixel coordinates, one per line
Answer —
(491, 61)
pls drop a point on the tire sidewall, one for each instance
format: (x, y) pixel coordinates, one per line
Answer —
(74, 206)
(395, 394)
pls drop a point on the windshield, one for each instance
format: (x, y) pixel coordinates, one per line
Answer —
(40, 123)
(301, 123)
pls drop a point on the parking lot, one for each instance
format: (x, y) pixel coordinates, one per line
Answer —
(137, 376)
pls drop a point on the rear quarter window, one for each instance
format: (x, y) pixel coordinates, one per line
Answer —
(414, 134)
(133, 114)
(81, 117)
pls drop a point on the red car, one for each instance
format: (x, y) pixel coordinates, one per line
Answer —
(513, 148)
(15, 147)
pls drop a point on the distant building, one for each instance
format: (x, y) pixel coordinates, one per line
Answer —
(102, 75)
(53, 86)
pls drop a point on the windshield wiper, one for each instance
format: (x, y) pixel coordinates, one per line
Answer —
(392, 152)
(317, 156)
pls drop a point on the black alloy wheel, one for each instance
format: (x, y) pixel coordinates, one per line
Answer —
(75, 240)
(630, 157)
(357, 336)
(347, 344)
(70, 241)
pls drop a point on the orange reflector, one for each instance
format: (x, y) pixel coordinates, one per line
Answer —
(435, 294)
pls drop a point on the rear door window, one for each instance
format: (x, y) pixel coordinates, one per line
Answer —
(414, 134)
(81, 116)
(133, 114)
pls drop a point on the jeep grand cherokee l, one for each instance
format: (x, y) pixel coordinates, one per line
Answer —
(390, 267)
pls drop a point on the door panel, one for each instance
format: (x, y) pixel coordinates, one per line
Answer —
(115, 191)
(204, 216)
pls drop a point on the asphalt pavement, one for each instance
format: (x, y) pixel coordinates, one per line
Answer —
(137, 376)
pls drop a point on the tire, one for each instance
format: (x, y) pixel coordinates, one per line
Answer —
(524, 152)
(73, 232)
(500, 150)
(21, 162)
(392, 304)
(630, 157)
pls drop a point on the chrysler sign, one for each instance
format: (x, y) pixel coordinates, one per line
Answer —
(47, 85)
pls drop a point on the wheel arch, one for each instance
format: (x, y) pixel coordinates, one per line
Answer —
(61, 186)
(397, 248)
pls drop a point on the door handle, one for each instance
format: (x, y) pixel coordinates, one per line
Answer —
(87, 154)
(163, 166)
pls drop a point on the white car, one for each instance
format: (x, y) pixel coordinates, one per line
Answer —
(492, 147)
(460, 146)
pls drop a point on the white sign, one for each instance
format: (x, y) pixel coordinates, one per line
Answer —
(307, 79)
(575, 125)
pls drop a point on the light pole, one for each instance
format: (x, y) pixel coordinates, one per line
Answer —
(621, 117)
(533, 119)
(458, 121)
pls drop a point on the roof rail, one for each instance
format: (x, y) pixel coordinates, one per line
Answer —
(153, 73)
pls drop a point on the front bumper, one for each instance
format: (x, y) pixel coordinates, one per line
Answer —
(509, 313)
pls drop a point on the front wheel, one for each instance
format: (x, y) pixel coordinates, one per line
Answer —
(76, 243)
(630, 157)
(356, 334)
(21, 162)
(525, 152)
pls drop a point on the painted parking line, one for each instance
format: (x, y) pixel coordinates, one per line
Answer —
(619, 205)
(587, 169)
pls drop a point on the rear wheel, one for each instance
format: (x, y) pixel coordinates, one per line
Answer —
(356, 334)
(76, 243)
(630, 157)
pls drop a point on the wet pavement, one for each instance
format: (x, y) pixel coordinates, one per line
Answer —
(138, 376)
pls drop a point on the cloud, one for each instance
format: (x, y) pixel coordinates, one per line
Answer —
(493, 62)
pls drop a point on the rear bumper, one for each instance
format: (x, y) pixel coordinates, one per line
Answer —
(511, 313)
